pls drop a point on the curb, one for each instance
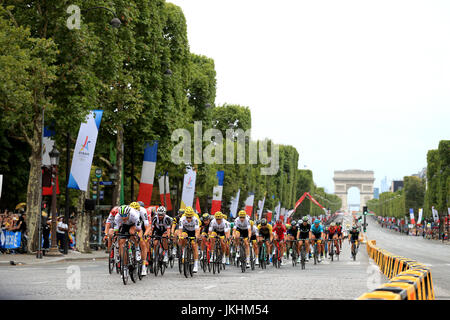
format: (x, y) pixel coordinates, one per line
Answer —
(52, 261)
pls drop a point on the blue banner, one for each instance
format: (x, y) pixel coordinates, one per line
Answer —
(84, 151)
(10, 239)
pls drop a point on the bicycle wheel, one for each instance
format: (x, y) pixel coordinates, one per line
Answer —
(156, 261)
(180, 261)
(262, 256)
(111, 260)
(332, 251)
(139, 270)
(252, 258)
(133, 265)
(186, 262)
(303, 256)
(124, 265)
(162, 264)
(191, 261)
(242, 257)
(218, 260)
(315, 253)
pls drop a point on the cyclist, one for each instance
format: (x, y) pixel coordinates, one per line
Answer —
(161, 224)
(253, 240)
(339, 233)
(127, 224)
(333, 236)
(325, 236)
(279, 231)
(242, 228)
(353, 236)
(144, 232)
(228, 245)
(175, 231)
(303, 234)
(109, 226)
(204, 229)
(292, 234)
(190, 227)
(316, 233)
(219, 228)
(265, 234)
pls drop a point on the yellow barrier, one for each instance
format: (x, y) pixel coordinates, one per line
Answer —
(409, 279)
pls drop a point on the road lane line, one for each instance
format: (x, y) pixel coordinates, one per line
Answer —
(209, 287)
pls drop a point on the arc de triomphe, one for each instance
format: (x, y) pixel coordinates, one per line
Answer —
(363, 180)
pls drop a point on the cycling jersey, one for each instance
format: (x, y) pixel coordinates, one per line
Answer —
(111, 220)
(186, 225)
(304, 229)
(241, 225)
(265, 232)
(133, 219)
(317, 230)
(161, 224)
(293, 231)
(205, 227)
(279, 230)
(332, 232)
(354, 234)
(143, 217)
(218, 228)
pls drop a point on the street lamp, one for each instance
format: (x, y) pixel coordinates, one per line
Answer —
(54, 161)
(113, 177)
(115, 22)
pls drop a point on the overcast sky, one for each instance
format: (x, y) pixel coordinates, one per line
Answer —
(350, 84)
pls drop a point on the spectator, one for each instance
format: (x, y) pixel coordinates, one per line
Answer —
(21, 226)
(45, 230)
(61, 229)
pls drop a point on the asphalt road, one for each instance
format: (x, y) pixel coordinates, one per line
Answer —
(429, 252)
(344, 279)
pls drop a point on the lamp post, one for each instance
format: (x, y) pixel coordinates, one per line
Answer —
(113, 178)
(54, 160)
(115, 22)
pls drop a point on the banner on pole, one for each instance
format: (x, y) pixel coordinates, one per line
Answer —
(164, 192)
(217, 193)
(277, 211)
(148, 173)
(419, 219)
(411, 215)
(234, 204)
(187, 196)
(197, 206)
(84, 151)
(261, 206)
(1, 183)
(249, 203)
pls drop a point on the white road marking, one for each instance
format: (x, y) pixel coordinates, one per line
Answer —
(209, 287)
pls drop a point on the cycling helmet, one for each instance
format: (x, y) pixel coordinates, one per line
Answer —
(317, 221)
(263, 222)
(293, 223)
(338, 223)
(114, 211)
(354, 227)
(161, 211)
(218, 215)
(242, 214)
(305, 219)
(135, 205)
(206, 216)
(258, 222)
(279, 222)
(189, 212)
(141, 203)
(332, 224)
(124, 211)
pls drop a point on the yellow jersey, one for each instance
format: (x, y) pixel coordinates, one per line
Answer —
(265, 230)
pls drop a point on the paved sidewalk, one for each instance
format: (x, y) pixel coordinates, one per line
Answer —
(30, 259)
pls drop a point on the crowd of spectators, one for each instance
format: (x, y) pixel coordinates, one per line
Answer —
(17, 222)
(428, 229)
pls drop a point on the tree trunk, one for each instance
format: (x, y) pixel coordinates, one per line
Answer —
(34, 189)
(83, 225)
(119, 164)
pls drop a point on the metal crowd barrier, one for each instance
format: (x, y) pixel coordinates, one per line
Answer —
(408, 279)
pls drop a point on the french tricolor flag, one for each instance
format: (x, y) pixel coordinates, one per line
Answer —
(249, 203)
(148, 173)
(165, 197)
(217, 194)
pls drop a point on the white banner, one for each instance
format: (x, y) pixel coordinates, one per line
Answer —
(435, 214)
(84, 151)
(234, 204)
(277, 211)
(1, 183)
(187, 197)
(260, 211)
(419, 219)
